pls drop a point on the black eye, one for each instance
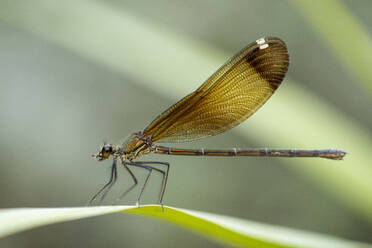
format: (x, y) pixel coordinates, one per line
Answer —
(107, 148)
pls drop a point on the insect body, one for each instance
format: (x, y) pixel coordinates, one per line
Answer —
(232, 94)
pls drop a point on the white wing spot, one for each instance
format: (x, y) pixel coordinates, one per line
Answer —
(264, 46)
(260, 41)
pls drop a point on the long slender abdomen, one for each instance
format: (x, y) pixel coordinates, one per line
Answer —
(325, 153)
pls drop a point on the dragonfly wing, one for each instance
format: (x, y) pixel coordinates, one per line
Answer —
(232, 94)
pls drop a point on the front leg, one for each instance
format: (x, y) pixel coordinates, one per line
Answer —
(108, 185)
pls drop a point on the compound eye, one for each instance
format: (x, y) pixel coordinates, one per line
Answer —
(107, 148)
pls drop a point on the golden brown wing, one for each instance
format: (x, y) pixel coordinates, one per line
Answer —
(228, 97)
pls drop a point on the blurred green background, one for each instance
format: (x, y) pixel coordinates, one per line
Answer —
(75, 73)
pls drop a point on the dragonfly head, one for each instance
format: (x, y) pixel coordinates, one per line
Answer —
(105, 151)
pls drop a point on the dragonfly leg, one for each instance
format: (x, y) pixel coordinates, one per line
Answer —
(108, 185)
(146, 165)
(145, 183)
(164, 174)
(131, 187)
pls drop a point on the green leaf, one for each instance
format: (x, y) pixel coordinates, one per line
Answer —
(224, 229)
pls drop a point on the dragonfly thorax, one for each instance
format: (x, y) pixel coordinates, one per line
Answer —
(136, 145)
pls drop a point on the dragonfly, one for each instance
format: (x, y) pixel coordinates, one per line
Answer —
(227, 98)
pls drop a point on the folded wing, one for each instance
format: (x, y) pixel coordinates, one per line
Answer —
(232, 94)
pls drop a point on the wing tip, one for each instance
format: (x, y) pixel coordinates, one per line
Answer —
(270, 59)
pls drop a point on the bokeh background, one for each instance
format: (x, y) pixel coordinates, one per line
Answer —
(75, 73)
